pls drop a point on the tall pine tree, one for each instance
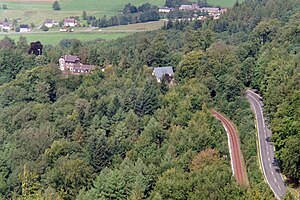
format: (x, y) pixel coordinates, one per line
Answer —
(99, 152)
(147, 101)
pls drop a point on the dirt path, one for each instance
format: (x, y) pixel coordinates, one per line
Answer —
(236, 156)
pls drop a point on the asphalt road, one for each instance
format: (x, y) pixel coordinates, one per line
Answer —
(267, 157)
(236, 156)
(75, 31)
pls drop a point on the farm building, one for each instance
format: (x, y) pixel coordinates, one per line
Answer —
(24, 28)
(72, 63)
(70, 22)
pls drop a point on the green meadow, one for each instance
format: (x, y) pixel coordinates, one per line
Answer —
(36, 11)
(31, 11)
(104, 5)
(223, 3)
(55, 38)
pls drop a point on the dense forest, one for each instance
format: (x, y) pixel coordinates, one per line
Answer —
(119, 134)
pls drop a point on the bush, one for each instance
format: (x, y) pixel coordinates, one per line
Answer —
(45, 28)
(4, 6)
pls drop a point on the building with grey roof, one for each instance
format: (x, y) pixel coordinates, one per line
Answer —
(163, 72)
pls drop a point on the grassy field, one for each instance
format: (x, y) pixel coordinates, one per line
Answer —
(104, 5)
(223, 3)
(149, 26)
(36, 11)
(55, 38)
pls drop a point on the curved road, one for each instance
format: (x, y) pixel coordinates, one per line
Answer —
(267, 157)
(236, 157)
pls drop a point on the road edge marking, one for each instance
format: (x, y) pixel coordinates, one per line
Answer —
(260, 157)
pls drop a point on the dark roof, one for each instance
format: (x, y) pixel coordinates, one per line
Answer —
(49, 21)
(4, 24)
(70, 58)
(24, 26)
(161, 71)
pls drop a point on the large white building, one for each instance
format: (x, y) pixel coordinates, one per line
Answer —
(163, 9)
(72, 63)
(70, 22)
(50, 23)
(24, 28)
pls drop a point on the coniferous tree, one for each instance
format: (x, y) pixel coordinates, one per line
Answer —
(99, 152)
(147, 101)
(130, 99)
(22, 44)
(4, 6)
(160, 50)
(56, 6)
(84, 15)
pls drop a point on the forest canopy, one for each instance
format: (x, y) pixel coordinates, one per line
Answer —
(119, 134)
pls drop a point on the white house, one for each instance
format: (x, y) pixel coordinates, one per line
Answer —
(193, 7)
(163, 9)
(70, 22)
(24, 28)
(49, 23)
(5, 26)
(186, 7)
(210, 10)
(72, 63)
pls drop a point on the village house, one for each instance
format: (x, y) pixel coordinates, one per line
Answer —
(214, 12)
(81, 68)
(186, 7)
(161, 73)
(24, 28)
(163, 9)
(50, 23)
(68, 61)
(6, 26)
(193, 7)
(1, 25)
(223, 10)
(70, 22)
(210, 10)
(72, 63)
